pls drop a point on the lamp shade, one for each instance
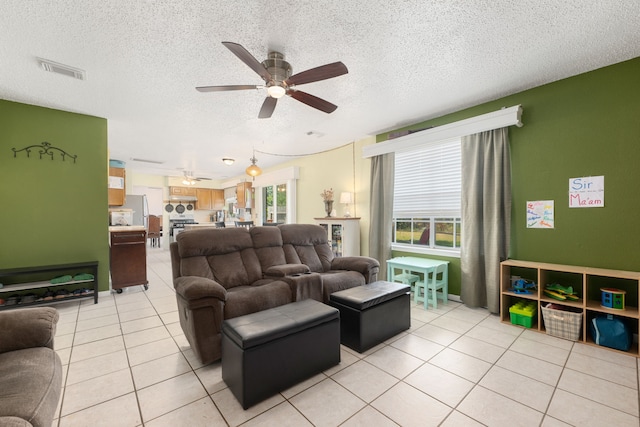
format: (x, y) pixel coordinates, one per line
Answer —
(346, 197)
(253, 170)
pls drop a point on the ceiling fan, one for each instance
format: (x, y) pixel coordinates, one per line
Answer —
(276, 73)
(189, 179)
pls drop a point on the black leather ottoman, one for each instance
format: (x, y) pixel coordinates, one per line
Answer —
(269, 351)
(372, 313)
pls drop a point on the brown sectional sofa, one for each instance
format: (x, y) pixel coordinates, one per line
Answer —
(223, 273)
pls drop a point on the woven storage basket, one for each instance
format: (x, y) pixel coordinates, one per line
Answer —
(562, 324)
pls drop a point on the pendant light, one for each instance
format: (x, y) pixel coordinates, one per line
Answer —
(253, 170)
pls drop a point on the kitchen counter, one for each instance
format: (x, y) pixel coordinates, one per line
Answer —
(116, 228)
(200, 225)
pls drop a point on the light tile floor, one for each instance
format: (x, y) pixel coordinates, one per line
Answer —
(127, 363)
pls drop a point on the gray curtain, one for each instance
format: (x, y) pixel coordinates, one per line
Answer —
(381, 187)
(486, 216)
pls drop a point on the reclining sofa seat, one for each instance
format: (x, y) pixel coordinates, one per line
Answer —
(219, 274)
(308, 244)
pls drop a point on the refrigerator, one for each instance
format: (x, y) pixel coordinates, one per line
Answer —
(140, 208)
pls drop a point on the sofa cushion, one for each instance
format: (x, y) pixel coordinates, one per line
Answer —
(262, 295)
(31, 381)
(267, 242)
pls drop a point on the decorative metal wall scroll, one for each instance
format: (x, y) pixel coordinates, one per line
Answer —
(46, 149)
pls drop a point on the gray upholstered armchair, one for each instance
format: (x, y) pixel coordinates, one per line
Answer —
(30, 370)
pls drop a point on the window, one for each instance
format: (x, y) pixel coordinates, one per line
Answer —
(275, 204)
(426, 202)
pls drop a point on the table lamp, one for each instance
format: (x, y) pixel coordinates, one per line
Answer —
(346, 198)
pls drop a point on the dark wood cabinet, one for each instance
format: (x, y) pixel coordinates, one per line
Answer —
(128, 259)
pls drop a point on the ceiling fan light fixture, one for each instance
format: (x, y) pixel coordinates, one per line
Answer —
(276, 91)
(228, 161)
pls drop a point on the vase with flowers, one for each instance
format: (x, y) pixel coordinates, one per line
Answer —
(327, 197)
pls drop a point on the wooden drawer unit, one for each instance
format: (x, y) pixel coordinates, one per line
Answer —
(128, 259)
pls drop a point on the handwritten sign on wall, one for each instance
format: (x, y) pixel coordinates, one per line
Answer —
(540, 214)
(586, 192)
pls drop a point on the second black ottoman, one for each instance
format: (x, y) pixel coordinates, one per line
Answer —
(372, 313)
(268, 351)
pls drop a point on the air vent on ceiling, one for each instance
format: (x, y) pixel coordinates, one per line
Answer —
(66, 70)
(155, 162)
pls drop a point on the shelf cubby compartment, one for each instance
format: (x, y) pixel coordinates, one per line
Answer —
(630, 322)
(510, 299)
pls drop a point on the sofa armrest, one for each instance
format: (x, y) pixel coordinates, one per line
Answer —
(28, 328)
(286, 270)
(193, 288)
(367, 266)
(305, 286)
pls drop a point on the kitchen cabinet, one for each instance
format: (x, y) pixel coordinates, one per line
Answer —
(586, 283)
(217, 200)
(29, 286)
(343, 235)
(182, 191)
(209, 199)
(116, 186)
(244, 194)
(204, 201)
(128, 258)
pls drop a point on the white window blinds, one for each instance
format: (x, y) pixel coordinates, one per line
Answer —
(427, 181)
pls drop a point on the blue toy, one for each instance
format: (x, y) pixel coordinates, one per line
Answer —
(522, 286)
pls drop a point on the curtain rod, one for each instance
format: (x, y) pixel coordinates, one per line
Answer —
(494, 120)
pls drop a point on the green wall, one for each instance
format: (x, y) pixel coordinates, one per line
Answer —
(53, 211)
(587, 125)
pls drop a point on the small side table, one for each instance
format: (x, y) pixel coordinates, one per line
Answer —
(424, 266)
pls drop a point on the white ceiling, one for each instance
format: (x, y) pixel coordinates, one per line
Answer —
(408, 60)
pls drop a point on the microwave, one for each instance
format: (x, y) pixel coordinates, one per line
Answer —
(121, 217)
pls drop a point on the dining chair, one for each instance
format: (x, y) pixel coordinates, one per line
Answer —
(430, 287)
(154, 229)
(245, 224)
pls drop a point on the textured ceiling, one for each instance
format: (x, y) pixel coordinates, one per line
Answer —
(408, 61)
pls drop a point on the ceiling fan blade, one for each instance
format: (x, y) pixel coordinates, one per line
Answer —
(268, 106)
(249, 59)
(226, 88)
(319, 73)
(313, 101)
